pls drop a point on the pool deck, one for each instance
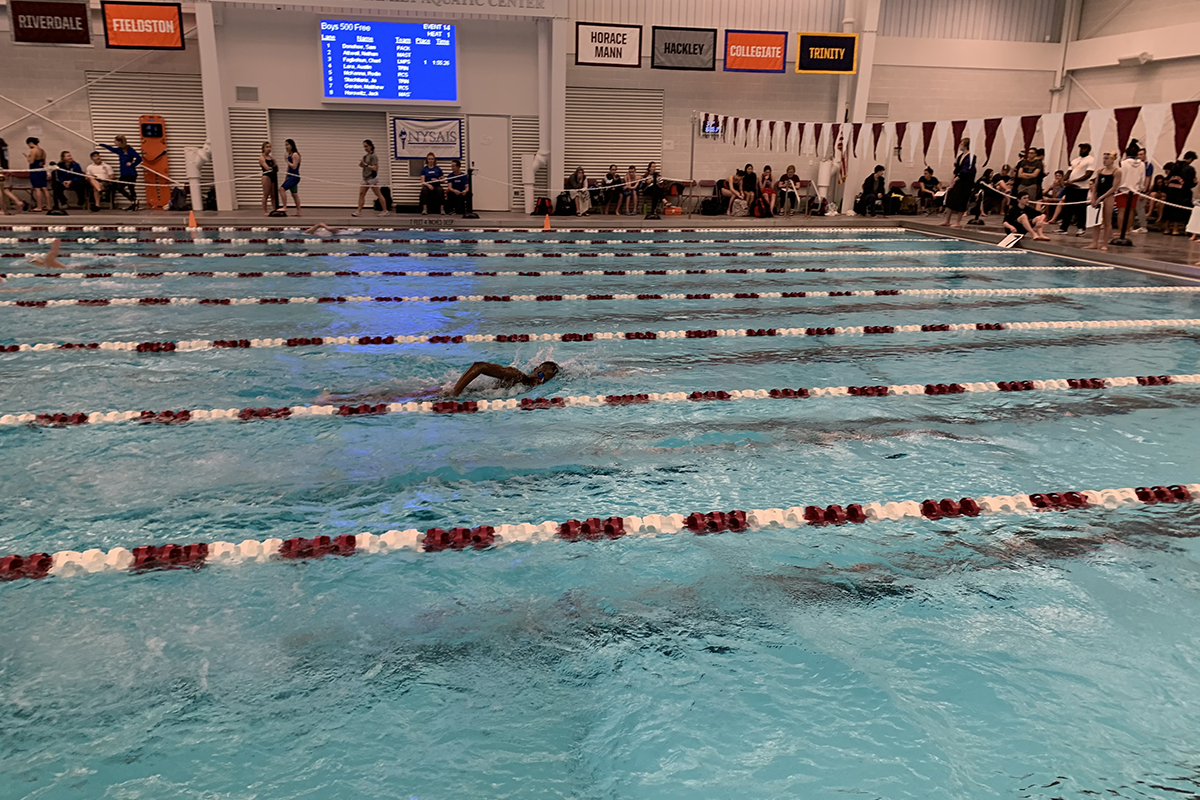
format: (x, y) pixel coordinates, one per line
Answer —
(1153, 252)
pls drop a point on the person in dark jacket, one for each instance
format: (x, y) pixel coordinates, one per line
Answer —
(130, 159)
(874, 194)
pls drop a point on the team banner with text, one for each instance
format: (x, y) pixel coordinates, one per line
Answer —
(414, 138)
(755, 51)
(36, 22)
(599, 45)
(684, 48)
(827, 53)
(142, 26)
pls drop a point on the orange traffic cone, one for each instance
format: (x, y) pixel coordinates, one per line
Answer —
(192, 220)
(546, 224)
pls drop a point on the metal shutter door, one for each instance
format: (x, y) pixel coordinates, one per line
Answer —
(330, 145)
(612, 126)
(524, 141)
(115, 102)
(248, 129)
(406, 187)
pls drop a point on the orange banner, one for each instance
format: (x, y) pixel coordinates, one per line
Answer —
(755, 51)
(143, 26)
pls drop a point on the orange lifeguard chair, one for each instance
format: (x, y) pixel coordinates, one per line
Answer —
(154, 161)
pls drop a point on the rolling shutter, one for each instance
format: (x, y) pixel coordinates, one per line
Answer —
(116, 101)
(612, 126)
(248, 129)
(330, 146)
(524, 141)
(406, 185)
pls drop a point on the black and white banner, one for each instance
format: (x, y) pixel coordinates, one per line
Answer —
(598, 45)
(684, 48)
(414, 138)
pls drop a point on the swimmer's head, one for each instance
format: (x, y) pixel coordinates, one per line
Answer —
(545, 371)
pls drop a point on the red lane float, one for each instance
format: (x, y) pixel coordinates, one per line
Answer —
(195, 556)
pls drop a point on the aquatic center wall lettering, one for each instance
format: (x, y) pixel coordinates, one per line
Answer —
(827, 53)
(755, 51)
(414, 138)
(683, 48)
(142, 26)
(608, 45)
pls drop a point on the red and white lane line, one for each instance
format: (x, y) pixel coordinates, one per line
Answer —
(529, 274)
(294, 228)
(72, 563)
(314, 240)
(596, 254)
(67, 419)
(195, 345)
(482, 298)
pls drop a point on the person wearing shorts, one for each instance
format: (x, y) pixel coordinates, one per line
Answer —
(37, 174)
(292, 182)
(370, 179)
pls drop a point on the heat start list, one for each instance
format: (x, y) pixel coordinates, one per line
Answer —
(389, 61)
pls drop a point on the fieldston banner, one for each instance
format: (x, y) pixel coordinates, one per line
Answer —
(755, 51)
(683, 48)
(608, 45)
(142, 26)
(414, 138)
(50, 23)
(827, 53)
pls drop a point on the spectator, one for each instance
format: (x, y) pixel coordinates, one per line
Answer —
(749, 184)
(1030, 175)
(431, 186)
(577, 185)
(1158, 193)
(738, 207)
(100, 176)
(36, 157)
(6, 193)
(1074, 194)
(69, 175)
(767, 188)
(927, 189)
(1103, 188)
(958, 197)
(1180, 184)
(1054, 195)
(788, 187)
(629, 191)
(369, 164)
(652, 189)
(270, 178)
(127, 173)
(458, 186)
(1133, 175)
(292, 182)
(1024, 218)
(1141, 208)
(612, 187)
(874, 193)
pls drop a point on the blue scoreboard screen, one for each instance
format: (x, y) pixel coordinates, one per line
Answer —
(406, 61)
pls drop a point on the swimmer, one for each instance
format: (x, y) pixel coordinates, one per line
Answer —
(507, 376)
(51, 259)
(322, 229)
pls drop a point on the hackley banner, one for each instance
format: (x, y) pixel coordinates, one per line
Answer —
(414, 138)
(684, 48)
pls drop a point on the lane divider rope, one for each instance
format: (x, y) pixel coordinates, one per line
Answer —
(639, 254)
(196, 345)
(343, 240)
(62, 420)
(286, 228)
(481, 298)
(528, 274)
(146, 558)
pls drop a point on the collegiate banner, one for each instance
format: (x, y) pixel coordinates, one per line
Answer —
(683, 48)
(415, 138)
(142, 26)
(35, 22)
(755, 51)
(827, 53)
(608, 45)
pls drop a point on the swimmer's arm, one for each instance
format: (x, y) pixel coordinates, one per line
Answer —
(490, 370)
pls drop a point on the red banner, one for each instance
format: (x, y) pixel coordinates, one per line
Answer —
(142, 26)
(754, 51)
(1072, 122)
(1029, 128)
(36, 22)
(927, 129)
(1184, 115)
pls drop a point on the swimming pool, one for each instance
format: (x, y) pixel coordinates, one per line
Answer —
(1040, 655)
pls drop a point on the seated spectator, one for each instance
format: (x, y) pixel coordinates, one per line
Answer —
(1023, 218)
(100, 176)
(612, 187)
(458, 184)
(629, 191)
(736, 195)
(1002, 182)
(750, 184)
(69, 175)
(874, 194)
(431, 186)
(767, 188)
(1052, 198)
(1158, 193)
(788, 187)
(927, 190)
(577, 185)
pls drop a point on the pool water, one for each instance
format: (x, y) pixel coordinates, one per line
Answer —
(1043, 656)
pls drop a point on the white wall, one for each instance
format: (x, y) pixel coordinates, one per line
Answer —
(1097, 18)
